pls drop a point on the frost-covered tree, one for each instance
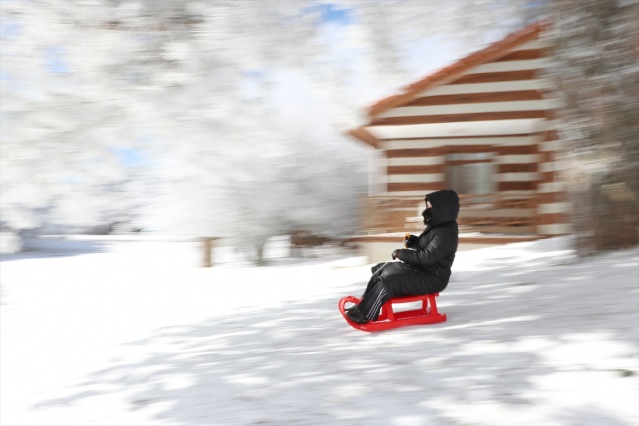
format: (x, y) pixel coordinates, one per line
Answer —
(88, 85)
(595, 68)
(65, 131)
(184, 92)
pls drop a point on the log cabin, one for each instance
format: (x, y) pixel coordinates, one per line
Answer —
(482, 126)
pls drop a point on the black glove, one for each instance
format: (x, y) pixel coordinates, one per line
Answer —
(410, 241)
(395, 254)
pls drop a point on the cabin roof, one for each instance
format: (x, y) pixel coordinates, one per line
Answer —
(374, 129)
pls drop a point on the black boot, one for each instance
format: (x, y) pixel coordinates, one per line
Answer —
(351, 308)
(356, 316)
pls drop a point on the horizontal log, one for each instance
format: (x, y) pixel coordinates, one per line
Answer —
(414, 186)
(517, 186)
(494, 77)
(518, 168)
(413, 170)
(441, 150)
(492, 138)
(458, 118)
(416, 152)
(516, 150)
(552, 219)
(472, 98)
(522, 55)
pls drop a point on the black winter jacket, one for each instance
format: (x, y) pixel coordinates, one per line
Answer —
(429, 259)
(436, 246)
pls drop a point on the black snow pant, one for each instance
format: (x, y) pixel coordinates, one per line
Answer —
(396, 279)
(373, 299)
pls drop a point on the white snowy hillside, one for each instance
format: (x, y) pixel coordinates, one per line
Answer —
(133, 333)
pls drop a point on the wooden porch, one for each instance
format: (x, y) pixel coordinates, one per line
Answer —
(484, 220)
(504, 213)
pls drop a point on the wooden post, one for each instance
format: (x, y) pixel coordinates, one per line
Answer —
(207, 243)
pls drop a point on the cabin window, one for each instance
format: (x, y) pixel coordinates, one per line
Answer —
(471, 173)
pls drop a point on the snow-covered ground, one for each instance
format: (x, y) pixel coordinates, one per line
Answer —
(134, 333)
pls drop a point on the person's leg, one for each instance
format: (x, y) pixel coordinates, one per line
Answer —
(372, 301)
(368, 308)
(371, 284)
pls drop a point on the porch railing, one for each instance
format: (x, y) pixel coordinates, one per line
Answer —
(512, 213)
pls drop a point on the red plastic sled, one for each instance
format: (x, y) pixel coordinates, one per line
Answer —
(388, 319)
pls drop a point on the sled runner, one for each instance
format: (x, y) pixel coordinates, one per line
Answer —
(389, 319)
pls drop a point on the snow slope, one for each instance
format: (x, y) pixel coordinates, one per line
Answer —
(133, 333)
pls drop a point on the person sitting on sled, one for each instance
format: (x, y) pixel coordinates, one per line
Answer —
(425, 263)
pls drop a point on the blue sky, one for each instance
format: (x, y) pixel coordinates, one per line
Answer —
(295, 99)
(331, 13)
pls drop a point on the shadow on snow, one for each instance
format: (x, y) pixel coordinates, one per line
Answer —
(303, 364)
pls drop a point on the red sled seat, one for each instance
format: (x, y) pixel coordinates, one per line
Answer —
(388, 318)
